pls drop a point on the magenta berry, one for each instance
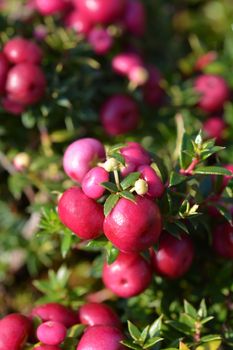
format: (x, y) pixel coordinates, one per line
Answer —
(25, 83)
(94, 314)
(135, 17)
(56, 312)
(100, 11)
(119, 115)
(214, 92)
(51, 333)
(14, 331)
(77, 211)
(50, 7)
(101, 338)
(223, 240)
(120, 276)
(100, 40)
(12, 106)
(152, 91)
(4, 67)
(155, 185)
(81, 156)
(214, 127)
(47, 347)
(133, 227)
(174, 256)
(79, 22)
(20, 50)
(124, 62)
(91, 184)
(135, 155)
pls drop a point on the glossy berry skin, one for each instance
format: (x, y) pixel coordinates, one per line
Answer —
(4, 67)
(47, 347)
(101, 338)
(26, 83)
(12, 107)
(174, 256)
(50, 7)
(133, 227)
(56, 312)
(14, 331)
(79, 22)
(92, 180)
(100, 40)
(20, 50)
(135, 17)
(223, 240)
(81, 214)
(135, 155)
(95, 314)
(81, 156)
(214, 128)
(124, 62)
(128, 276)
(214, 92)
(153, 94)
(101, 11)
(119, 115)
(51, 333)
(155, 185)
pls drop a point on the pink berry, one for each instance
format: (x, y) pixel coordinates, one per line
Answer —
(124, 62)
(12, 106)
(128, 276)
(25, 83)
(50, 7)
(95, 314)
(14, 331)
(20, 50)
(119, 115)
(223, 240)
(133, 227)
(174, 256)
(81, 156)
(79, 22)
(100, 40)
(81, 214)
(101, 338)
(135, 17)
(135, 155)
(92, 180)
(100, 11)
(152, 91)
(56, 312)
(206, 59)
(214, 127)
(47, 347)
(51, 333)
(4, 67)
(155, 185)
(214, 92)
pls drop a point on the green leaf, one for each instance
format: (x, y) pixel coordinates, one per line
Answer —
(134, 331)
(110, 203)
(213, 345)
(130, 180)
(76, 331)
(211, 337)
(119, 158)
(130, 345)
(159, 167)
(127, 195)
(111, 253)
(151, 342)
(66, 244)
(181, 327)
(155, 326)
(212, 170)
(190, 310)
(186, 145)
(177, 179)
(144, 334)
(202, 312)
(110, 186)
(17, 183)
(225, 213)
(207, 319)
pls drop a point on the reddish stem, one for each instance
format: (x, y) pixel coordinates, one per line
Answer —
(191, 167)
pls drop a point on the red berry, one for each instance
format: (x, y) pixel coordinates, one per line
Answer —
(56, 312)
(20, 50)
(81, 214)
(81, 156)
(4, 67)
(51, 333)
(129, 275)
(214, 92)
(91, 184)
(133, 227)
(12, 107)
(119, 115)
(152, 91)
(101, 338)
(155, 185)
(102, 11)
(14, 331)
(100, 40)
(94, 314)
(135, 17)
(223, 240)
(215, 127)
(135, 155)
(50, 7)
(25, 83)
(174, 256)
(79, 22)
(124, 62)
(204, 60)
(47, 347)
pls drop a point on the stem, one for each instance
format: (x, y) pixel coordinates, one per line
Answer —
(191, 167)
(180, 132)
(197, 335)
(117, 179)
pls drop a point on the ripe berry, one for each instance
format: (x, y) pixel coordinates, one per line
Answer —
(129, 275)
(135, 155)
(4, 67)
(101, 338)
(214, 127)
(152, 91)
(155, 185)
(214, 92)
(14, 331)
(56, 312)
(51, 333)
(204, 60)
(223, 240)
(25, 83)
(81, 156)
(20, 50)
(81, 214)
(12, 107)
(94, 314)
(79, 22)
(50, 7)
(135, 17)
(101, 11)
(91, 184)
(119, 115)
(100, 40)
(133, 227)
(47, 347)
(174, 256)
(124, 62)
